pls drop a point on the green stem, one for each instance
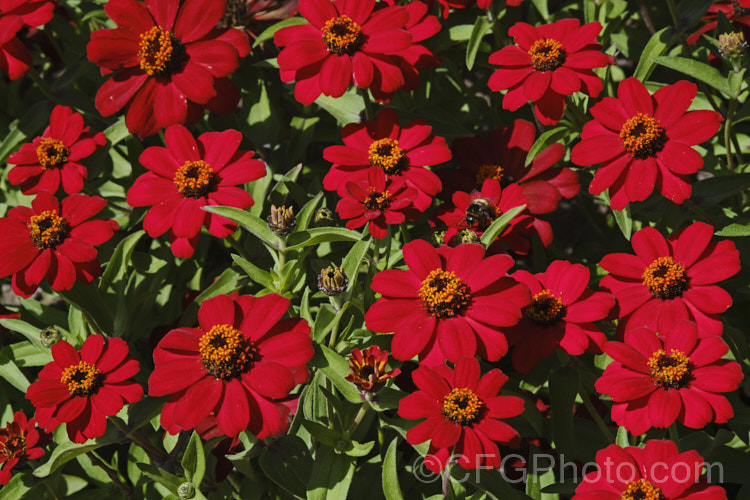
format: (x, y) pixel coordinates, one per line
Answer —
(358, 417)
(595, 415)
(135, 437)
(728, 134)
(111, 474)
(369, 111)
(674, 435)
(43, 87)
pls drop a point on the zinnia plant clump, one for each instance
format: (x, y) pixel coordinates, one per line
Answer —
(377, 249)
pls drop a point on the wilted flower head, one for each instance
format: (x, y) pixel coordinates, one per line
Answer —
(332, 280)
(282, 220)
(732, 46)
(368, 369)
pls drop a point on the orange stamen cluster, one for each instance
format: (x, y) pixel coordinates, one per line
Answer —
(52, 153)
(82, 379)
(489, 172)
(195, 179)
(12, 440)
(377, 200)
(369, 368)
(670, 371)
(462, 406)
(642, 490)
(226, 353)
(643, 136)
(444, 295)
(547, 54)
(160, 52)
(48, 230)
(665, 278)
(342, 35)
(386, 154)
(545, 309)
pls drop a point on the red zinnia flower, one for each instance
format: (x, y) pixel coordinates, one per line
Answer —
(235, 367)
(549, 62)
(736, 11)
(53, 240)
(18, 441)
(402, 152)
(464, 414)
(644, 141)
(450, 303)
(369, 369)
(188, 175)
(15, 58)
(562, 311)
(378, 202)
(82, 388)
(656, 471)
(345, 42)
(446, 5)
(54, 157)
(170, 62)
(503, 157)
(656, 380)
(672, 279)
(477, 210)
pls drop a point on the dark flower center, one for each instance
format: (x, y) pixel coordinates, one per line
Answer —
(161, 53)
(739, 10)
(82, 379)
(545, 309)
(665, 278)
(342, 36)
(643, 136)
(444, 295)
(670, 371)
(547, 54)
(489, 172)
(462, 406)
(642, 490)
(226, 353)
(195, 179)
(386, 154)
(377, 200)
(13, 446)
(52, 153)
(48, 230)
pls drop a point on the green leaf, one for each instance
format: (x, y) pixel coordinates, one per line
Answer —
(305, 215)
(353, 261)
(696, 69)
(656, 46)
(287, 462)
(346, 109)
(544, 141)
(541, 6)
(11, 373)
(118, 131)
(31, 122)
(251, 222)
(624, 221)
(227, 282)
(194, 460)
(162, 477)
(735, 230)
(117, 265)
(357, 449)
(258, 275)
(498, 226)
(716, 189)
(268, 33)
(331, 476)
(487, 480)
(391, 487)
(622, 437)
(323, 434)
(67, 451)
(481, 27)
(317, 235)
(19, 486)
(563, 388)
(335, 368)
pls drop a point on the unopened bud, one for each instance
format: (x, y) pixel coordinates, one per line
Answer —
(49, 336)
(466, 236)
(732, 45)
(186, 490)
(323, 217)
(282, 220)
(332, 280)
(437, 237)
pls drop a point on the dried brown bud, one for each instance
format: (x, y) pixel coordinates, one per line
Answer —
(282, 220)
(368, 369)
(332, 280)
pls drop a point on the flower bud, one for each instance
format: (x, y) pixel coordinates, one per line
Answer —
(332, 280)
(466, 236)
(368, 369)
(186, 490)
(732, 45)
(49, 336)
(323, 217)
(437, 237)
(282, 220)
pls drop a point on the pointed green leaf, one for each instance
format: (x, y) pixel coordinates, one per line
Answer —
(391, 487)
(194, 460)
(481, 27)
(499, 225)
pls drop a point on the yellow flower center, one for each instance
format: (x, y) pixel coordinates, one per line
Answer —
(547, 54)
(48, 230)
(52, 153)
(226, 353)
(376, 200)
(643, 136)
(82, 379)
(195, 179)
(665, 278)
(444, 295)
(342, 35)
(671, 370)
(489, 172)
(545, 309)
(160, 53)
(462, 406)
(642, 490)
(386, 154)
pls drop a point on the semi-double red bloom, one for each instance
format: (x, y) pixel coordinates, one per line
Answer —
(83, 388)
(188, 175)
(464, 414)
(378, 202)
(19, 441)
(669, 280)
(401, 152)
(236, 367)
(502, 156)
(53, 240)
(549, 62)
(644, 141)
(54, 158)
(15, 58)
(345, 42)
(477, 210)
(657, 380)
(369, 369)
(562, 313)
(169, 62)
(450, 303)
(658, 471)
